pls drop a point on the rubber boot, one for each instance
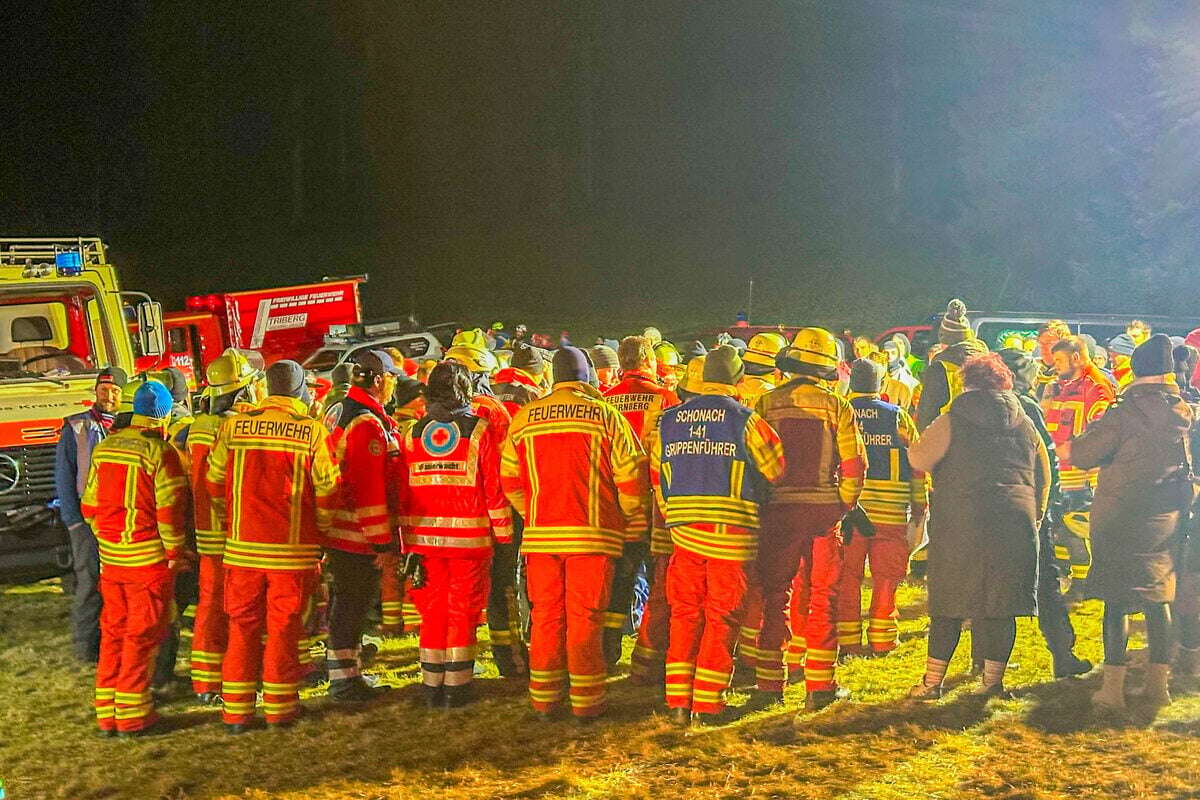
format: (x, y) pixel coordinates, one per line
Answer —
(1155, 694)
(1111, 696)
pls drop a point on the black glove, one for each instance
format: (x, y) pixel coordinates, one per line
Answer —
(414, 570)
(856, 520)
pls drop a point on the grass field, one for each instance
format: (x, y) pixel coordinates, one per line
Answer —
(1045, 743)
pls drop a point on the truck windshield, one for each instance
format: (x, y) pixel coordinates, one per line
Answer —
(324, 359)
(51, 332)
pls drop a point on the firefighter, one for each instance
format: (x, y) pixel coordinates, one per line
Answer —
(135, 503)
(397, 612)
(521, 381)
(452, 507)
(761, 376)
(503, 612)
(231, 385)
(72, 459)
(711, 462)
(570, 468)
(1077, 398)
(362, 541)
(669, 364)
(640, 399)
(893, 495)
(801, 539)
(273, 531)
(941, 381)
(608, 366)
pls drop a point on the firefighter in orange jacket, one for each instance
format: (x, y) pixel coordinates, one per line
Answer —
(135, 502)
(273, 486)
(231, 390)
(521, 381)
(362, 542)
(801, 540)
(451, 509)
(398, 612)
(1079, 397)
(570, 467)
(711, 462)
(893, 495)
(503, 611)
(641, 399)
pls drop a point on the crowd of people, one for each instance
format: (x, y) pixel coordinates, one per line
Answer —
(749, 487)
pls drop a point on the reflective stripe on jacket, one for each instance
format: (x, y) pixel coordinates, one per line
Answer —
(570, 467)
(891, 485)
(273, 485)
(366, 449)
(136, 495)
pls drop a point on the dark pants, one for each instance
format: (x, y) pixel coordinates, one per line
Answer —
(355, 588)
(1116, 632)
(624, 579)
(186, 592)
(503, 609)
(1054, 619)
(991, 638)
(85, 603)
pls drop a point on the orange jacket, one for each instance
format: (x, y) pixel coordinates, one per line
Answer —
(366, 446)
(273, 486)
(451, 502)
(1071, 406)
(571, 468)
(824, 448)
(199, 441)
(136, 497)
(641, 399)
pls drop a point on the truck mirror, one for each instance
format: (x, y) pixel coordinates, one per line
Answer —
(150, 328)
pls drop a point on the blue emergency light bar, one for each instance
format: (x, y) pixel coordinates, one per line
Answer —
(68, 263)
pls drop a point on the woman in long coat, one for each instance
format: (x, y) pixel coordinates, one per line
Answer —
(991, 483)
(1144, 486)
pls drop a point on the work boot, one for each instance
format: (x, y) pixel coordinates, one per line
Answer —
(152, 728)
(1069, 669)
(680, 717)
(760, 700)
(367, 654)
(723, 717)
(924, 693)
(1155, 693)
(236, 728)
(815, 701)
(434, 696)
(354, 690)
(458, 696)
(209, 698)
(996, 690)
(1111, 696)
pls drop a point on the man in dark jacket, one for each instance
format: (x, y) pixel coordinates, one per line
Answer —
(941, 381)
(73, 457)
(1054, 620)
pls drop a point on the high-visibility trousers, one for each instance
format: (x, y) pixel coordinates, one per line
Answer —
(273, 601)
(210, 628)
(391, 603)
(800, 553)
(706, 597)
(887, 553)
(650, 652)
(138, 607)
(450, 602)
(747, 649)
(568, 596)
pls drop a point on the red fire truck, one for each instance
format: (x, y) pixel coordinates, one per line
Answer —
(285, 322)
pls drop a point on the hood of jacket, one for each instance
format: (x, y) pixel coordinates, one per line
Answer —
(959, 352)
(1161, 404)
(988, 409)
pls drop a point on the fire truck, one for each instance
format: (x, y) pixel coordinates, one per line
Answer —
(61, 321)
(284, 322)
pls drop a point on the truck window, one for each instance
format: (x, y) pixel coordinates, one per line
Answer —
(324, 359)
(51, 333)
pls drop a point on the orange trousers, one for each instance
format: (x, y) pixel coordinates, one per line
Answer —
(568, 597)
(210, 627)
(138, 608)
(450, 602)
(887, 553)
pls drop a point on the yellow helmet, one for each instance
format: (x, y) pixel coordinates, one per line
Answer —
(693, 376)
(815, 349)
(763, 348)
(668, 360)
(475, 359)
(229, 372)
(470, 338)
(653, 334)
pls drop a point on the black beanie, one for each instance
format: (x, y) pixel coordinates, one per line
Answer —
(954, 327)
(1153, 357)
(866, 377)
(407, 389)
(723, 365)
(570, 364)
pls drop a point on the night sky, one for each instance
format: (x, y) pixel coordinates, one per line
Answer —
(601, 165)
